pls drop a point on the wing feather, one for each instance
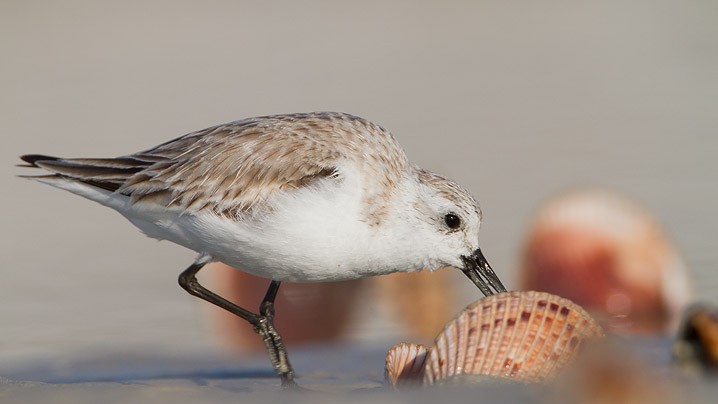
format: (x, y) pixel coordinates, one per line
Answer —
(236, 167)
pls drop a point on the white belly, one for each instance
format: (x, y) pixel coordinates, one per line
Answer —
(310, 236)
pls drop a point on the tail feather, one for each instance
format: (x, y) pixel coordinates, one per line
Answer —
(119, 162)
(81, 171)
(95, 191)
(32, 159)
(106, 174)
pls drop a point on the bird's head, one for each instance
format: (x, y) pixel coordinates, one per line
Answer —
(448, 220)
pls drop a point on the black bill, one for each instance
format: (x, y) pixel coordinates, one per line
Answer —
(479, 271)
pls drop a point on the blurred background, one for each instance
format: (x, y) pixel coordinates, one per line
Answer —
(516, 101)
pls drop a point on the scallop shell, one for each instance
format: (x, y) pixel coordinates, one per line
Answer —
(525, 336)
(405, 364)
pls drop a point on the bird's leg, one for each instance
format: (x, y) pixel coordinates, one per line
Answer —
(188, 281)
(272, 339)
(263, 323)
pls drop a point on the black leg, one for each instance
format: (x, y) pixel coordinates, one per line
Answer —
(272, 339)
(263, 322)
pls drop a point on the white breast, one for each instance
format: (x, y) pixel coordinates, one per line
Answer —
(311, 235)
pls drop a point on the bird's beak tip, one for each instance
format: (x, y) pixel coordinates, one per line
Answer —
(477, 268)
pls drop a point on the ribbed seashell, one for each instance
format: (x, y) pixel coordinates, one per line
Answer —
(405, 364)
(524, 336)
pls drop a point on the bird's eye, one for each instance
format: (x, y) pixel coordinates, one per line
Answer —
(452, 221)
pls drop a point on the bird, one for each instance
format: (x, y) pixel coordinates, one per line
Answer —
(300, 197)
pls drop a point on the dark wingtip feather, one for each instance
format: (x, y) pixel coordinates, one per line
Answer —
(32, 159)
(39, 177)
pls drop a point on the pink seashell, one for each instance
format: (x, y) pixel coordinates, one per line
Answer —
(608, 254)
(405, 364)
(524, 336)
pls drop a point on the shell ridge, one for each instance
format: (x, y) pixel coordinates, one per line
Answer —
(449, 359)
(436, 365)
(495, 336)
(558, 347)
(481, 339)
(472, 342)
(415, 362)
(489, 327)
(501, 347)
(522, 355)
(549, 341)
(461, 343)
(541, 354)
(512, 350)
(532, 352)
(404, 364)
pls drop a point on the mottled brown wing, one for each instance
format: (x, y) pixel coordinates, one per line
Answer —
(232, 168)
(235, 167)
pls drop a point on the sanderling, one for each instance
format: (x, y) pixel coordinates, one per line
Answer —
(299, 197)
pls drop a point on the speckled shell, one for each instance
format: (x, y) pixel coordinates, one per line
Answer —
(524, 336)
(405, 364)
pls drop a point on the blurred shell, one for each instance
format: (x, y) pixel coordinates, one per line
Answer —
(405, 364)
(608, 254)
(419, 303)
(525, 336)
(299, 302)
(696, 349)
